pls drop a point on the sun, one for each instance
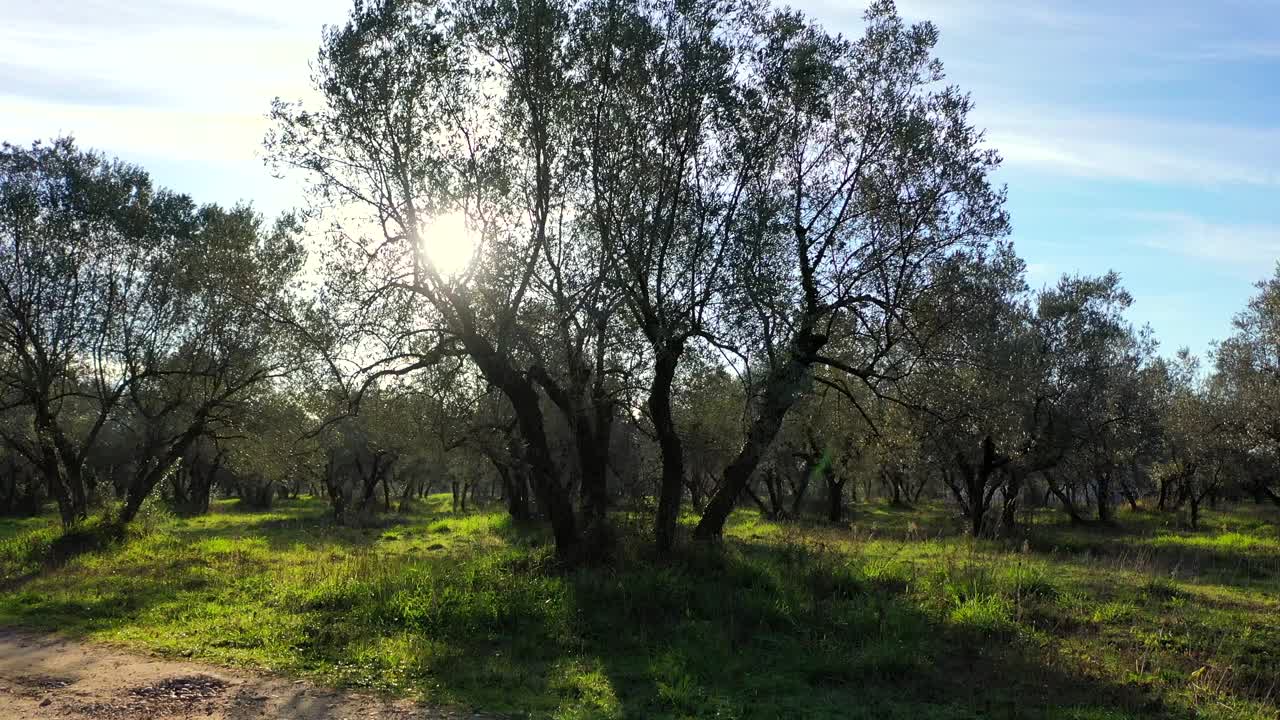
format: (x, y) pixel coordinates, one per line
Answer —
(450, 243)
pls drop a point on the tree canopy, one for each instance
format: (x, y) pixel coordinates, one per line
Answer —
(583, 256)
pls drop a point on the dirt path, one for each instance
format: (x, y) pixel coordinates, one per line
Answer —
(44, 677)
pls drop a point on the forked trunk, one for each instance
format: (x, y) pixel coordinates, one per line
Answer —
(552, 497)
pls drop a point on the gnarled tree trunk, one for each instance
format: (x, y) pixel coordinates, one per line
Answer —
(783, 387)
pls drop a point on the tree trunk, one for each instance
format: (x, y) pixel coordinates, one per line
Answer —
(1130, 496)
(1272, 494)
(801, 487)
(590, 418)
(978, 490)
(508, 490)
(593, 455)
(918, 489)
(783, 388)
(695, 492)
(893, 480)
(145, 480)
(520, 501)
(68, 511)
(1102, 488)
(671, 489)
(551, 495)
(1012, 495)
(337, 496)
(200, 479)
(1067, 503)
(776, 510)
(755, 497)
(976, 481)
(835, 499)
(180, 483)
(62, 468)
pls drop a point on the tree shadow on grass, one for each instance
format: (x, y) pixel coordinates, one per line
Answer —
(746, 630)
(1201, 555)
(762, 631)
(46, 549)
(202, 566)
(875, 520)
(309, 523)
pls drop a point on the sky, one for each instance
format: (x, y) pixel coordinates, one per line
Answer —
(1139, 136)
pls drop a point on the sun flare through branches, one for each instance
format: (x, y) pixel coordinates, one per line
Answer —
(450, 242)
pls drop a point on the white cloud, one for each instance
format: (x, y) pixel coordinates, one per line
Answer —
(966, 15)
(1118, 147)
(180, 86)
(1246, 249)
(191, 80)
(1066, 88)
(1040, 273)
(177, 134)
(1233, 51)
(176, 59)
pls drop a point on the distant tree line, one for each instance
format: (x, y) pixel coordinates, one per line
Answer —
(722, 257)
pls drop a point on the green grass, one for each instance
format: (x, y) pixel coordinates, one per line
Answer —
(898, 617)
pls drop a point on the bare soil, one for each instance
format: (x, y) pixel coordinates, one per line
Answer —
(44, 677)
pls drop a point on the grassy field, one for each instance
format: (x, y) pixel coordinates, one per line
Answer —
(897, 617)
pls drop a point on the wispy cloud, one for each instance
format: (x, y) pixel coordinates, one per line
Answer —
(1118, 147)
(1114, 91)
(1231, 51)
(108, 15)
(1153, 28)
(76, 87)
(1246, 249)
(179, 59)
(1041, 274)
(176, 133)
(189, 82)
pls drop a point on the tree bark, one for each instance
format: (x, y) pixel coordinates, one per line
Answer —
(551, 494)
(783, 387)
(1102, 488)
(1271, 494)
(593, 455)
(1012, 496)
(760, 503)
(671, 489)
(835, 498)
(801, 486)
(147, 477)
(1067, 503)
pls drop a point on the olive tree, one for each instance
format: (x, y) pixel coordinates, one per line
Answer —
(873, 176)
(1248, 368)
(121, 303)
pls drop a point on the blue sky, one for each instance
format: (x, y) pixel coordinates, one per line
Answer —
(1140, 136)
